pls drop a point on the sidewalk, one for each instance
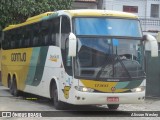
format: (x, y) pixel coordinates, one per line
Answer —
(150, 104)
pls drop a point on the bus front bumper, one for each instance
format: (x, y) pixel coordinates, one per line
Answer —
(87, 98)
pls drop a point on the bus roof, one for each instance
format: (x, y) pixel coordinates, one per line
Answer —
(74, 13)
(30, 20)
(94, 12)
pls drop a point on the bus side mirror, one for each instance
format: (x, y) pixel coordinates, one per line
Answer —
(151, 45)
(72, 45)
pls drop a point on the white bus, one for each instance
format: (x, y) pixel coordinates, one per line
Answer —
(80, 57)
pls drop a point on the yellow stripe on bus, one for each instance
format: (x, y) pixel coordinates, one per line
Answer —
(102, 86)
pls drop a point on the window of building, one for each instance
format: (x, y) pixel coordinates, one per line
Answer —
(131, 9)
(155, 10)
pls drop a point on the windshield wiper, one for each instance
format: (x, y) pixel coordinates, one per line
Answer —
(123, 66)
(113, 57)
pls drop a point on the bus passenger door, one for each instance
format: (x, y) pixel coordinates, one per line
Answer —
(66, 72)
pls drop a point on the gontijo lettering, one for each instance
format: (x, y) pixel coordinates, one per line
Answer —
(18, 57)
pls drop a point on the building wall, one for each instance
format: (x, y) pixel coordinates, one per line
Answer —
(84, 5)
(144, 12)
(88, 4)
(118, 5)
(144, 6)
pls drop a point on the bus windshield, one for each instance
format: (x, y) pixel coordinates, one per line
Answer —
(104, 58)
(108, 27)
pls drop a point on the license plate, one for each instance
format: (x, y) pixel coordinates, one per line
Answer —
(112, 99)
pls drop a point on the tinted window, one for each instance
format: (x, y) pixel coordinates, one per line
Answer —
(43, 33)
(108, 27)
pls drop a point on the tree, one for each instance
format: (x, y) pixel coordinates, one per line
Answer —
(16, 11)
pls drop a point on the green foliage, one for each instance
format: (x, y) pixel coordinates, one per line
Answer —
(16, 11)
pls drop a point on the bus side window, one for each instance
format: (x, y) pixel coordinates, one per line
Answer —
(53, 39)
(49, 33)
(13, 39)
(18, 38)
(0, 38)
(35, 41)
(6, 40)
(27, 37)
(45, 41)
(10, 40)
(35, 35)
(54, 31)
(20, 43)
(12, 44)
(45, 37)
(40, 34)
(3, 41)
(26, 42)
(45, 31)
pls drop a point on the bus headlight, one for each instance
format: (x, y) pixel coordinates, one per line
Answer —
(139, 89)
(84, 89)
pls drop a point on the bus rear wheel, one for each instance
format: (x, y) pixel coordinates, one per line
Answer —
(113, 106)
(13, 88)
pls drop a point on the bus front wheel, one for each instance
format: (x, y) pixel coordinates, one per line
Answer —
(57, 103)
(113, 106)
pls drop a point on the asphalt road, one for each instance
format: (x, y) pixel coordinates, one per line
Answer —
(35, 104)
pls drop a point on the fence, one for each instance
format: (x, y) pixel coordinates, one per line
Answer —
(153, 75)
(150, 21)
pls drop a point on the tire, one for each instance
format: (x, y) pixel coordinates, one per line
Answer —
(113, 106)
(9, 83)
(57, 103)
(13, 88)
